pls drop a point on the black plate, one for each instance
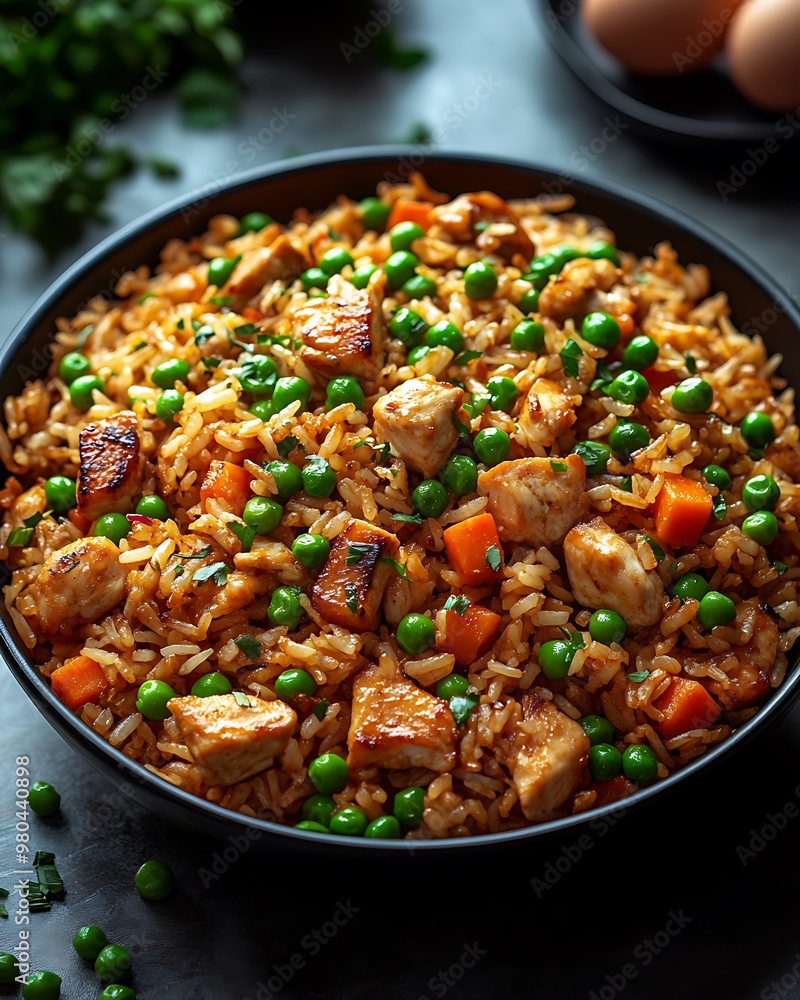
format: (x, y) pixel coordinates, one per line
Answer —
(314, 181)
(696, 107)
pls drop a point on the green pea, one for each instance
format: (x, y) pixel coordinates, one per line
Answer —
(605, 761)
(314, 277)
(335, 259)
(116, 992)
(383, 828)
(113, 962)
(328, 773)
(492, 445)
(555, 658)
(152, 700)
(43, 799)
(480, 281)
(416, 354)
(82, 389)
(291, 389)
(374, 213)
(717, 476)
(601, 330)
(311, 826)
(629, 387)
(691, 585)
(154, 880)
(403, 235)
(311, 550)
(762, 527)
(288, 479)
(319, 809)
(113, 526)
(254, 222)
(9, 968)
(220, 269)
(445, 334)
(262, 514)
(362, 274)
(693, 395)
(715, 609)
(285, 608)
(529, 302)
(408, 327)
(169, 372)
(73, 365)
(263, 409)
(349, 823)
(460, 475)
(601, 250)
(409, 804)
(564, 254)
(399, 268)
(168, 405)
(758, 430)
(415, 633)
(503, 393)
(598, 729)
(42, 985)
(319, 479)
(430, 498)
(211, 684)
(640, 352)
(293, 682)
(639, 763)
(452, 686)
(89, 941)
(59, 493)
(595, 456)
(607, 626)
(153, 506)
(419, 286)
(761, 493)
(541, 268)
(344, 389)
(528, 335)
(626, 437)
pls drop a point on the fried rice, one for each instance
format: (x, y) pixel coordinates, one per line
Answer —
(546, 704)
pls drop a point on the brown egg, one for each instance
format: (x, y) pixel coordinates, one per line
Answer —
(764, 52)
(660, 37)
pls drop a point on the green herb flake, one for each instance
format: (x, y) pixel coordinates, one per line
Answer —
(222, 300)
(558, 466)
(691, 364)
(249, 646)
(719, 507)
(463, 430)
(50, 882)
(461, 706)
(407, 518)
(399, 568)
(351, 597)
(203, 334)
(780, 567)
(638, 676)
(19, 537)
(246, 533)
(37, 898)
(357, 551)
(626, 483)
(246, 330)
(3, 910)
(202, 554)
(287, 445)
(242, 699)
(457, 603)
(210, 362)
(569, 354)
(333, 235)
(465, 358)
(146, 296)
(321, 708)
(178, 570)
(218, 572)
(494, 558)
(658, 552)
(383, 454)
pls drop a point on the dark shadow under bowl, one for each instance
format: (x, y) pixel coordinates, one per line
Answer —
(758, 305)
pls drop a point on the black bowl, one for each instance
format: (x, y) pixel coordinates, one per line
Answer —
(758, 304)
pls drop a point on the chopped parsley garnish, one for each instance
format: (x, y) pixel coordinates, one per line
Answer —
(195, 324)
(399, 568)
(19, 537)
(626, 483)
(461, 706)
(638, 676)
(357, 551)
(321, 708)
(465, 358)
(463, 430)
(246, 330)
(242, 699)
(691, 364)
(558, 466)
(249, 646)
(178, 570)
(202, 554)
(494, 559)
(719, 507)
(287, 445)
(351, 597)
(218, 572)
(50, 882)
(457, 603)
(210, 362)
(407, 518)
(203, 334)
(569, 355)
(781, 567)
(246, 533)
(383, 454)
(3, 910)
(658, 552)
(222, 300)
(138, 347)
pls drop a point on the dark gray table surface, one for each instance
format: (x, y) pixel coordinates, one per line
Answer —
(694, 897)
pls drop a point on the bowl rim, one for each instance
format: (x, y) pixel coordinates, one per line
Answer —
(103, 754)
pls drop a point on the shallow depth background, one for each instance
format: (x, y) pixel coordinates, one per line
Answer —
(693, 898)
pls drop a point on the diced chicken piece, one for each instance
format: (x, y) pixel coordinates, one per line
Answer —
(550, 753)
(349, 589)
(280, 261)
(505, 233)
(749, 680)
(396, 725)
(111, 466)
(416, 418)
(578, 289)
(78, 584)
(536, 500)
(230, 742)
(344, 333)
(605, 572)
(546, 412)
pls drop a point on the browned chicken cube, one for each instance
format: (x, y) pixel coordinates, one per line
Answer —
(230, 742)
(535, 500)
(349, 589)
(549, 757)
(343, 334)
(546, 412)
(416, 418)
(279, 261)
(396, 725)
(79, 583)
(111, 466)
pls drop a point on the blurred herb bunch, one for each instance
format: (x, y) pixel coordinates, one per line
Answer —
(70, 70)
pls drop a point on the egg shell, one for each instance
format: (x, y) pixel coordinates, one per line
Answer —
(660, 37)
(763, 48)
